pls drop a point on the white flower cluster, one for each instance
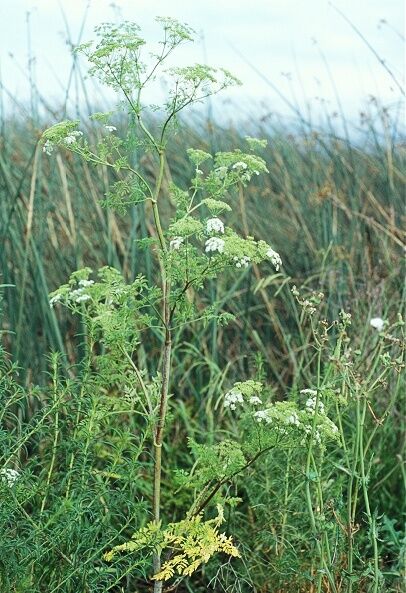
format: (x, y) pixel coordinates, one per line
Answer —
(285, 417)
(215, 225)
(71, 138)
(175, 243)
(311, 406)
(78, 295)
(311, 392)
(214, 244)
(377, 323)
(242, 262)
(85, 283)
(240, 166)
(9, 476)
(333, 427)
(110, 128)
(275, 258)
(232, 398)
(263, 416)
(311, 401)
(266, 416)
(316, 434)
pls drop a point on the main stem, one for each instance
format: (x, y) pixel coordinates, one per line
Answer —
(166, 367)
(156, 503)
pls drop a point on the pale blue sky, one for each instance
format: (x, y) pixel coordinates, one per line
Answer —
(283, 39)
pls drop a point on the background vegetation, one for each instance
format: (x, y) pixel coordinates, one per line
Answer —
(332, 207)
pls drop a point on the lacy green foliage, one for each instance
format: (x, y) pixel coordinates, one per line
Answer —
(197, 254)
(117, 60)
(229, 170)
(116, 310)
(215, 462)
(150, 536)
(256, 144)
(60, 131)
(249, 388)
(125, 193)
(97, 480)
(192, 84)
(191, 543)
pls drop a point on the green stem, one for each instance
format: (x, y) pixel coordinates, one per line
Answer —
(309, 460)
(351, 508)
(155, 210)
(285, 503)
(371, 520)
(56, 433)
(166, 368)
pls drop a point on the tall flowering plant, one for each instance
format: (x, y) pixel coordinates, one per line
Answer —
(196, 245)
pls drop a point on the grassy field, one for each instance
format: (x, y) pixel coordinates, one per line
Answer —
(332, 521)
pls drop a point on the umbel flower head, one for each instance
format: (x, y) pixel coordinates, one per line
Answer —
(215, 244)
(61, 134)
(215, 225)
